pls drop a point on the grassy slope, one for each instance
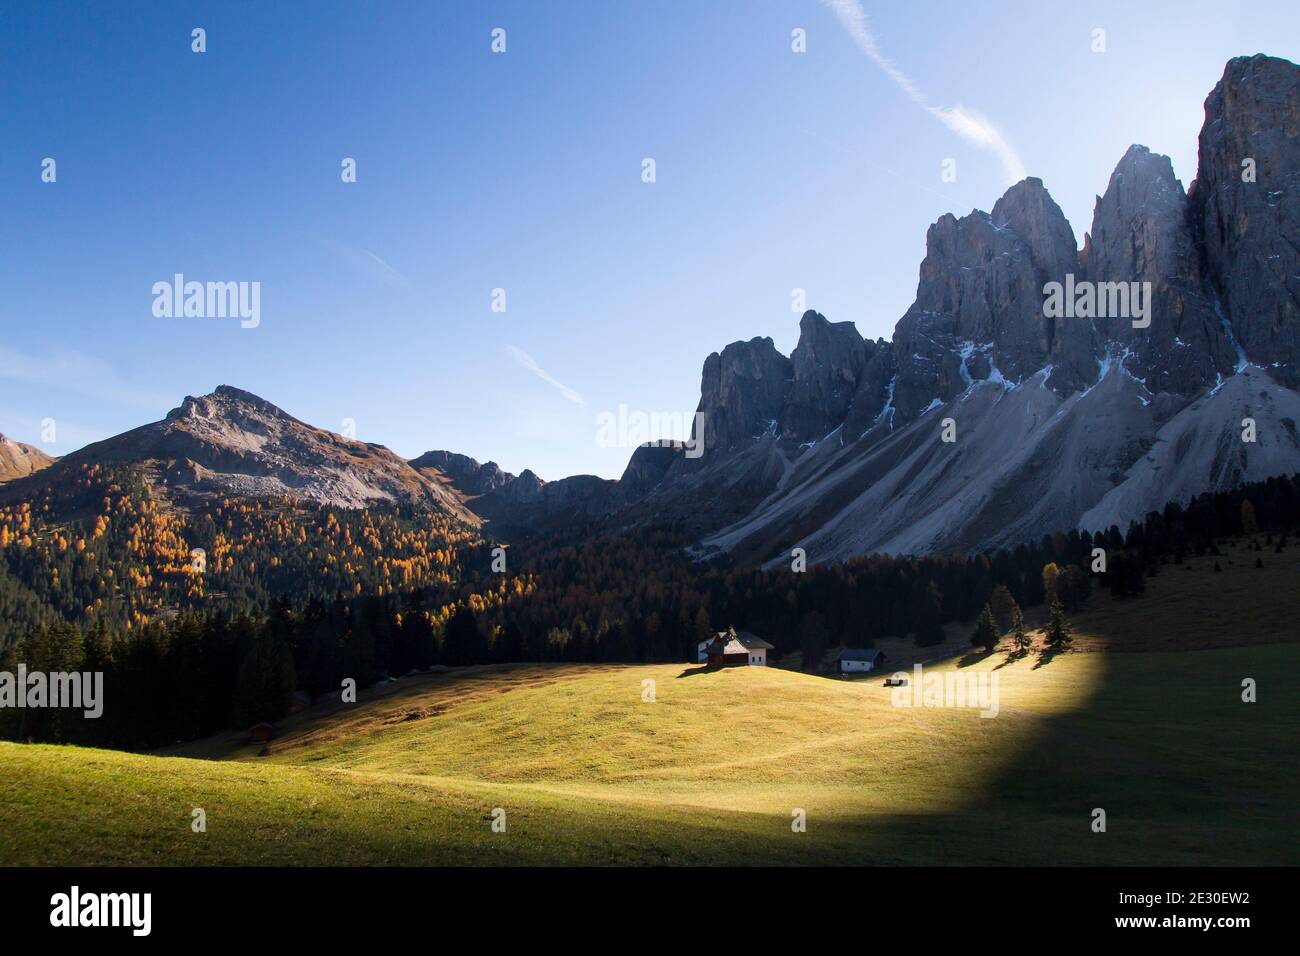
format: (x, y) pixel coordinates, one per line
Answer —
(709, 772)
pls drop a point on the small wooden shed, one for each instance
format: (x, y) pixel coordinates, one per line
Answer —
(859, 659)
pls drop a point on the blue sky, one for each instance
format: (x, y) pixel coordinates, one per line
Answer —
(774, 170)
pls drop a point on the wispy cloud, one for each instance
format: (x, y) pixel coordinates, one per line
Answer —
(527, 361)
(366, 263)
(969, 124)
(78, 373)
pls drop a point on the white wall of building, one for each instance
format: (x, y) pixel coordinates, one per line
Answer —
(757, 656)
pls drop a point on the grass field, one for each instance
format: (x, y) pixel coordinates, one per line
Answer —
(710, 771)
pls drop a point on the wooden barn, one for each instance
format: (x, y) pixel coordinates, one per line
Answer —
(859, 659)
(729, 648)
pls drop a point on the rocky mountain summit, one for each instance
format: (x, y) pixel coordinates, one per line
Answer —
(527, 503)
(1142, 232)
(18, 459)
(232, 442)
(987, 419)
(1078, 419)
(464, 473)
(1246, 208)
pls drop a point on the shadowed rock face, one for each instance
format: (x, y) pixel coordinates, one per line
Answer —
(647, 468)
(1250, 229)
(1058, 420)
(871, 400)
(1069, 346)
(742, 392)
(751, 389)
(1142, 232)
(979, 304)
(1028, 210)
(465, 473)
(837, 448)
(527, 503)
(826, 365)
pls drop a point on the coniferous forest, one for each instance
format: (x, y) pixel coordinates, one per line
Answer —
(294, 598)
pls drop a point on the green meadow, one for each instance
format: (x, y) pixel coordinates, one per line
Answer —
(676, 764)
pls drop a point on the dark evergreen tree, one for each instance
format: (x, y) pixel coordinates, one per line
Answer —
(1058, 629)
(986, 630)
(1004, 607)
(813, 643)
(264, 690)
(462, 642)
(929, 624)
(1019, 633)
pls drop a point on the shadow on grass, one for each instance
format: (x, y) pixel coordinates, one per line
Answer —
(701, 669)
(1011, 658)
(974, 657)
(1047, 655)
(1160, 740)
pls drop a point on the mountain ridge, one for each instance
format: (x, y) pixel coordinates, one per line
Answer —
(1084, 402)
(232, 442)
(838, 448)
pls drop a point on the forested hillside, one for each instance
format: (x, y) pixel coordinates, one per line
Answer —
(299, 597)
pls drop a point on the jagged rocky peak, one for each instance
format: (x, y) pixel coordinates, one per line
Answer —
(466, 473)
(1129, 418)
(527, 487)
(742, 392)
(1143, 181)
(826, 364)
(979, 303)
(1246, 203)
(1029, 210)
(223, 402)
(528, 503)
(647, 467)
(1142, 233)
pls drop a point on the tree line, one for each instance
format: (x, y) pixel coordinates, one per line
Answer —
(622, 597)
